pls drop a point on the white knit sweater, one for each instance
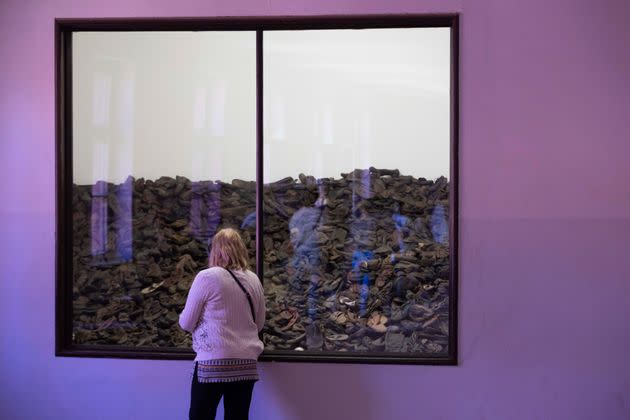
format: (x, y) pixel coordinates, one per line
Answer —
(218, 315)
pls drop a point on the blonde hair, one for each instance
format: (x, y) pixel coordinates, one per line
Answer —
(228, 250)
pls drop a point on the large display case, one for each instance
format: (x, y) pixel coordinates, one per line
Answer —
(329, 143)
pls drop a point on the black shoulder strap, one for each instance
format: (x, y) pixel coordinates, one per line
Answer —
(249, 297)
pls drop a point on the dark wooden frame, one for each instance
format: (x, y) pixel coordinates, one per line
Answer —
(63, 127)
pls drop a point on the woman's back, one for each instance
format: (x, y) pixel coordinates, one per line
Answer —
(217, 312)
(224, 310)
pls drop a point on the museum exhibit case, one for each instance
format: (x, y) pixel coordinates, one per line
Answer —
(330, 143)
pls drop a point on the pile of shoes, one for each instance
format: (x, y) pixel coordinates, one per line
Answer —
(357, 264)
(354, 264)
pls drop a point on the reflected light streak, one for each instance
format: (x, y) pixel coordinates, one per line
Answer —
(199, 109)
(98, 218)
(217, 109)
(101, 97)
(205, 210)
(126, 119)
(358, 257)
(400, 222)
(277, 120)
(439, 224)
(124, 238)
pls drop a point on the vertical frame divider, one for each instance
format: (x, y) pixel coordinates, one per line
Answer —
(259, 155)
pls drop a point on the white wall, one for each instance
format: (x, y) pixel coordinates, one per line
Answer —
(183, 103)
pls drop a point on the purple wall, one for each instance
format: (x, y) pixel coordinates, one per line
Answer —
(544, 228)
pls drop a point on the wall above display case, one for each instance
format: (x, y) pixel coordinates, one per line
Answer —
(330, 143)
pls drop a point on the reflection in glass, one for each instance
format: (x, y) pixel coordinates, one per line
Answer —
(356, 241)
(163, 156)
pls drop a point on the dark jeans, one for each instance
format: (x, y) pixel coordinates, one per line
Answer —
(205, 397)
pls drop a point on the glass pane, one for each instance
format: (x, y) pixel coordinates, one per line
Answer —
(356, 205)
(163, 156)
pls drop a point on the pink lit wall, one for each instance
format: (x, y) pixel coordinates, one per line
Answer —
(545, 207)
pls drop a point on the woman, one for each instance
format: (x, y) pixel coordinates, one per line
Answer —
(225, 310)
